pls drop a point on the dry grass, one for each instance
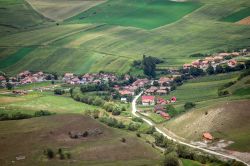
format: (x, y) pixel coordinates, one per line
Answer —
(31, 136)
(62, 9)
(245, 21)
(229, 121)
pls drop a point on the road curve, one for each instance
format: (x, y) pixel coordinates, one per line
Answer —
(134, 110)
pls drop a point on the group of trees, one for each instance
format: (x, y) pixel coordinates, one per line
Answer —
(220, 69)
(97, 101)
(148, 65)
(95, 87)
(19, 115)
(60, 154)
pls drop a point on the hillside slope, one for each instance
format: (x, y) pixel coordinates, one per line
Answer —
(113, 48)
(52, 132)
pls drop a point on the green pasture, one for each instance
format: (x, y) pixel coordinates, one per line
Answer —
(239, 15)
(141, 14)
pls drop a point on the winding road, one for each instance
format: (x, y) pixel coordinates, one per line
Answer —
(134, 110)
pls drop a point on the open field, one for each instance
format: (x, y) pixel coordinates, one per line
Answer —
(147, 14)
(62, 9)
(42, 101)
(228, 121)
(239, 15)
(18, 15)
(52, 132)
(95, 47)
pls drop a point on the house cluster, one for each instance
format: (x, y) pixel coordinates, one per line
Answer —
(25, 77)
(159, 104)
(215, 59)
(129, 90)
(70, 78)
(163, 88)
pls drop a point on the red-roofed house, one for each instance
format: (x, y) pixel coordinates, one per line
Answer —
(232, 63)
(148, 100)
(173, 99)
(207, 136)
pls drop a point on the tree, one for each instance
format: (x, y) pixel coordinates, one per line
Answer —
(171, 159)
(210, 70)
(149, 66)
(59, 91)
(219, 69)
(196, 72)
(189, 105)
(247, 64)
(9, 86)
(50, 154)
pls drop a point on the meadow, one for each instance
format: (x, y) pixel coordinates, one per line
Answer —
(49, 8)
(92, 47)
(52, 132)
(237, 16)
(141, 14)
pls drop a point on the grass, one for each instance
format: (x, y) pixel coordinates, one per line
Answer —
(186, 162)
(52, 132)
(147, 14)
(51, 9)
(92, 47)
(43, 101)
(18, 15)
(239, 15)
(12, 59)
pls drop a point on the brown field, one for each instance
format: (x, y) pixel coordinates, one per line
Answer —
(62, 9)
(31, 136)
(245, 21)
(229, 121)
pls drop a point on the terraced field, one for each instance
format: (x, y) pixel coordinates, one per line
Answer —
(99, 46)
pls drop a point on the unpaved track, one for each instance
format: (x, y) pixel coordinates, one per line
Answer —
(134, 110)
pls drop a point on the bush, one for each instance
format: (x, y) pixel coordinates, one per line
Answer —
(133, 126)
(171, 159)
(189, 105)
(223, 93)
(42, 113)
(138, 134)
(50, 154)
(136, 119)
(123, 140)
(59, 91)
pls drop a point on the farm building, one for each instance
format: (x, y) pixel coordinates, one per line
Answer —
(159, 108)
(148, 100)
(162, 101)
(164, 114)
(207, 136)
(232, 63)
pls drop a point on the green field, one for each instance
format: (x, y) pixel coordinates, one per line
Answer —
(42, 101)
(145, 14)
(92, 47)
(237, 16)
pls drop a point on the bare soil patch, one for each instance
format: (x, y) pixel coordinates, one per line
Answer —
(245, 21)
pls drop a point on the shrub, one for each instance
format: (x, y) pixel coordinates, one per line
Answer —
(171, 159)
(138, 134)
(85, 134)
(59, 91)
(42, 113)
(133, 126)
(223, 93)
(123, 140)
(136, 119)
(189, 105)
(50, 154)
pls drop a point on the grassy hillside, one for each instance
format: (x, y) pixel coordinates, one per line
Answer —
(93, 47)
(141, 14)
(52, 132)
(18, 15)
(42, 101)
(228, 121)
(62, 9)
(243, 13)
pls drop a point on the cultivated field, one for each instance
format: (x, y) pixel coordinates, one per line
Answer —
(147, 14)
(62, 9)
(93, 47)
(52, 132)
